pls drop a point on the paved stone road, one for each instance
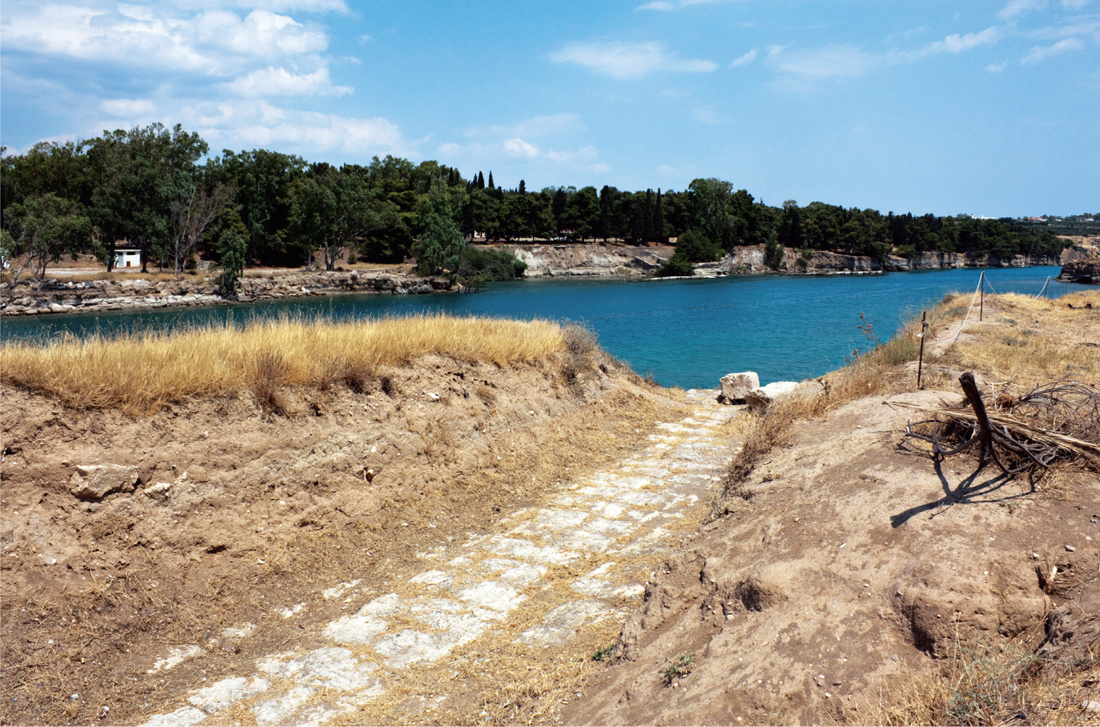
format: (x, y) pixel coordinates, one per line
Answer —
(582, 558)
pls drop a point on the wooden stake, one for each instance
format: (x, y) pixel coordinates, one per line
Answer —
(923, 333)
(981, 308)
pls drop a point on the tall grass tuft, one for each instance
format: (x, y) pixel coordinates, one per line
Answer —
(142, 372)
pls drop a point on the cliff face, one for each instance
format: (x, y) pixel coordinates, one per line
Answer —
(554, 261)
(1081, 271)
(626, 261)
(55, 296)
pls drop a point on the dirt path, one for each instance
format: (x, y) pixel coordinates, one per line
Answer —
(487, 620)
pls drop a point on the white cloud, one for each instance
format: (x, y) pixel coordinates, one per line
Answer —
(215, 42)
(281, 82)
(584, 154)
(128, 108)
(996, 67)
(1074, 4)
(1039, 53)
(532, 127)
(745, 59)
(629, 60)
(666, 5)
(521, 148)
(958, 43)
(1019, 7)
(832, 61)
(310, 6)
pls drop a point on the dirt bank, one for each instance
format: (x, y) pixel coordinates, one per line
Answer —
(844, 575)
(211, 516)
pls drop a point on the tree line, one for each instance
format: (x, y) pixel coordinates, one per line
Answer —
(158, 190)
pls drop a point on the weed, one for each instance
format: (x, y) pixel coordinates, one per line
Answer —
(604, 653)
(679, 668)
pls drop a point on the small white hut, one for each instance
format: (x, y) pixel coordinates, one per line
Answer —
(127, 258)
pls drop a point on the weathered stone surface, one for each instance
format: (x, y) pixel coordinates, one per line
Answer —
(758, 399)
(736, 387)
(1081, 271)
(96, 481)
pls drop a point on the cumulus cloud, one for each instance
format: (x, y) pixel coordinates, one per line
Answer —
(744, 60)
(1041, 53)
(831, 61)
(214, 42)
(521, 148)
(629, 60)
(128, 107)
(281, 82)
(1015, 8)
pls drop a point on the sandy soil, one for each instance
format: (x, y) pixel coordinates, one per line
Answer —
(230, 512)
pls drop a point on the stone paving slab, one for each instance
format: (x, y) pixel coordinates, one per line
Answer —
(469, 591)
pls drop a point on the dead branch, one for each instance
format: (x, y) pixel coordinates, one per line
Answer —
(1054, 421)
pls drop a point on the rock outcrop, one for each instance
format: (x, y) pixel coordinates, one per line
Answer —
(592, 259)
(57, 296)
(1081, 271)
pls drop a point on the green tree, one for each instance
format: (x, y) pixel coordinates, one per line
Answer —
(44, 227)
(329, 209)
(439, 247)
(232, 248)
(710, 208)
(136, 175)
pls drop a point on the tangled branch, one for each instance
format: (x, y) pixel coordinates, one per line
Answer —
(1055, 421)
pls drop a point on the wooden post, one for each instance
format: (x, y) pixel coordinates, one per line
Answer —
(981, 308)
(923, 333)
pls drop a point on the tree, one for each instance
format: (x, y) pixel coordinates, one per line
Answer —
(329, 209)
(231, 251)
(790, 225)
(439, 247)
(135, 176)
(710, 207)
(263, 180)
(194, 208)
(45, 227)
(696, 247)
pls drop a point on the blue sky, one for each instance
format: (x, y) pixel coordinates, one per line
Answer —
(987, 108)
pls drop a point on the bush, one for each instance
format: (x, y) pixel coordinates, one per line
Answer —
(678, 266)
(490, 265)
(695, 247)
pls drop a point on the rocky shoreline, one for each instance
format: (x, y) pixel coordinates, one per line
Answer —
(591, 259)
(59, 296)
(542, 260)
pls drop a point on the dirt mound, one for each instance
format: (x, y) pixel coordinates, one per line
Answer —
(124, 536)
(848, 564)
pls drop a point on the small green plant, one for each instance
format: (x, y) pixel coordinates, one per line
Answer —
(679, 668)
(604, 653)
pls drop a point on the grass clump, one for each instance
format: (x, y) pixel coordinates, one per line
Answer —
(679, 668)
(142, 372)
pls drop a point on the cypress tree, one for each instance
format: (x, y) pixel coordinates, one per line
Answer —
(491, 186)
(659, 219)
(522, 187)
(480, 180)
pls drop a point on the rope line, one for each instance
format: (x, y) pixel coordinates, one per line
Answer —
(973, 300)
(1040, 294)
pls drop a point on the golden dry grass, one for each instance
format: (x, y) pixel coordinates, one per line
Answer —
(141, 372)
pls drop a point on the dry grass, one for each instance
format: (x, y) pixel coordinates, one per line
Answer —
(1033, 341)
(139, 373)
(983, 683)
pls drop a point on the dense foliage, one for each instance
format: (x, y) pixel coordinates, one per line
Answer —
(150, 189)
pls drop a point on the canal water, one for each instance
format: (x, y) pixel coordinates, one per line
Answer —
(685, 333)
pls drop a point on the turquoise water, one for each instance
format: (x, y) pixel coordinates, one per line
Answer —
(686, 333)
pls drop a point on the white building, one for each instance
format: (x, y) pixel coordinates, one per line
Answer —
(127, 258)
